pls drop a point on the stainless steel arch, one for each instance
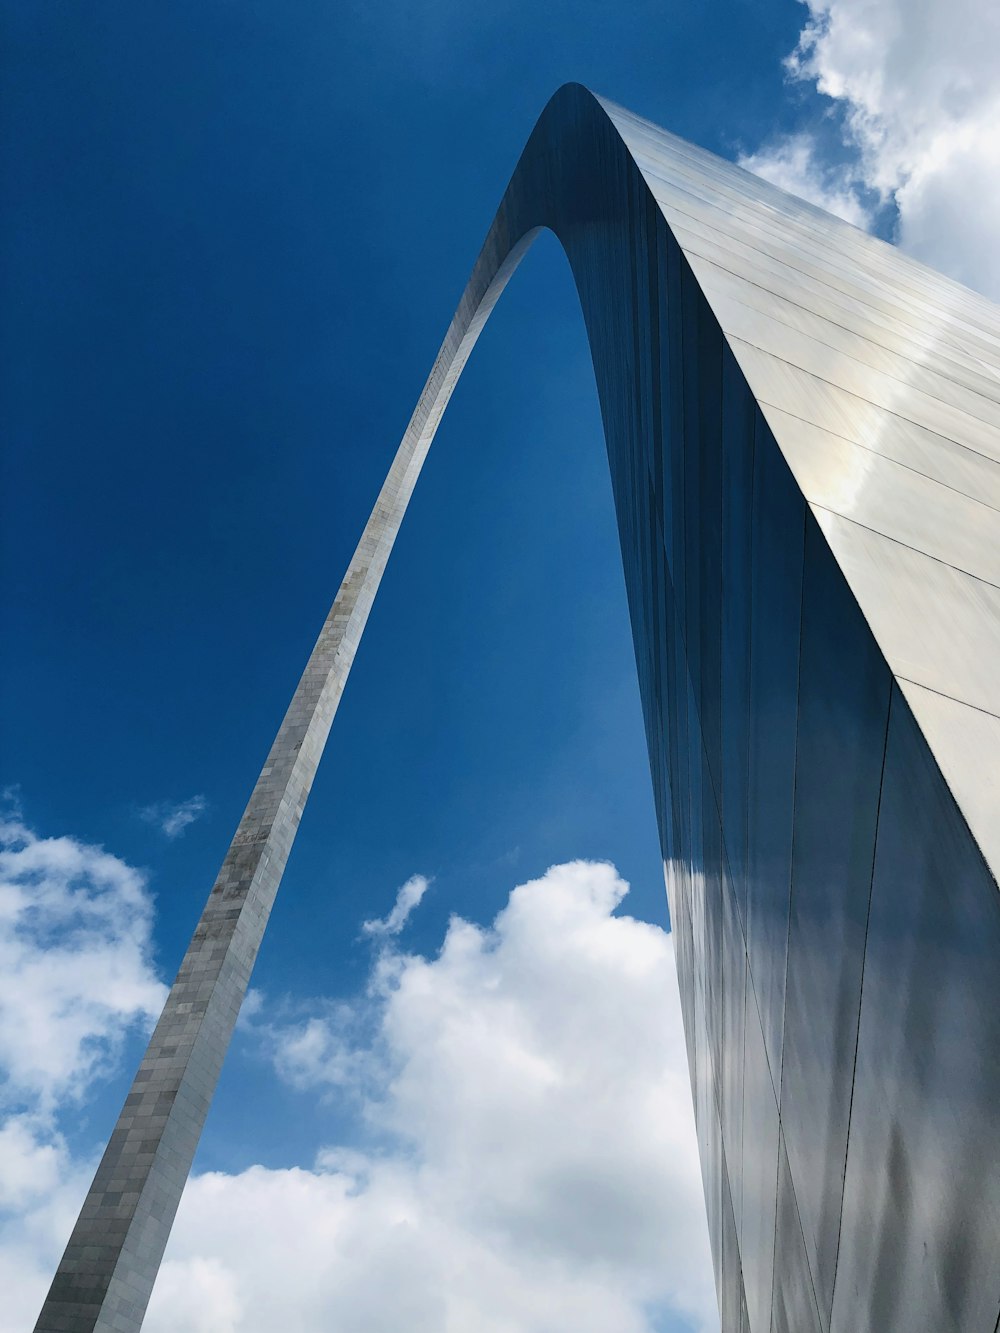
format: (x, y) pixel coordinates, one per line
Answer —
(797, 418)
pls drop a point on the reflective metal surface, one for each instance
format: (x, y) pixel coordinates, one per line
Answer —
(803, 432)
(865, 570)
(921, 1192)
(842, 716)
(954, 646)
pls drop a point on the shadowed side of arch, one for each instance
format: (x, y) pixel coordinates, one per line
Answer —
(785, 759)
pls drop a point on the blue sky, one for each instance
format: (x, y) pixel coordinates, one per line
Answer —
(238, 236)
(234, 238)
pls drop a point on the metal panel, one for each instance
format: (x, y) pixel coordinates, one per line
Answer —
(744, 327)
(795, 298)
(793, 1304)
(844, 687)
(890, 498)
(804, 396)
(734, 985)
(776, 565)
(737, 491)
(966, 744)
(748, 310)
(760, 1169)
(732, 1299)
(955, 649)
(922, 1190)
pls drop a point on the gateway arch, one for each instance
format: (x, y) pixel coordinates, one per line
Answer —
(803, 431)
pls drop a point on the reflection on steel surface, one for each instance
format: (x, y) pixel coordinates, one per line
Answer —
(803, 428)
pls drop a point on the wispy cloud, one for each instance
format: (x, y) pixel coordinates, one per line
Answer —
(172, 818)
(407, 899)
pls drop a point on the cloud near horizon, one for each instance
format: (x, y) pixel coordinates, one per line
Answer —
(913, 86)
(76, 966)
(527, 1156)
(76, 976)
(534, 1162)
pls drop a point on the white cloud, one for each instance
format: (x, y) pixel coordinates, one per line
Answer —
(172, 818)
(42, 1188)
(75, 975)
(325, 1049)
(407, 899)
(525, 1158)
(916, 84)
(793, 164)
(538, 1164)
(75, 966)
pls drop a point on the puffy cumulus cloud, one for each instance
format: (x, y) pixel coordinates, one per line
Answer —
(915, 85)
(524, 1155)
(537, 1163)
(75, 975)
(75, 963)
